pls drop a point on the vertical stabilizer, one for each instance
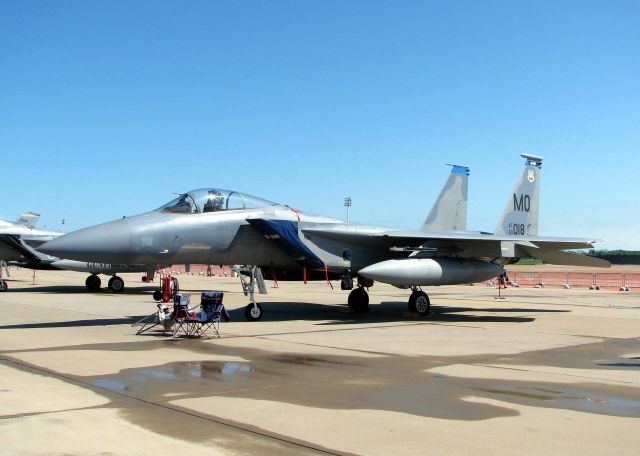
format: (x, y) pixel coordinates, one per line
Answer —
(520, 216)
(449, 212)
(28, 219)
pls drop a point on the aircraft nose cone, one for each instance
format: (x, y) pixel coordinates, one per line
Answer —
(106, 243)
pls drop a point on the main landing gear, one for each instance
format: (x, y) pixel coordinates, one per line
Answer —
(358, 300)
(419, 302)
(93, 283)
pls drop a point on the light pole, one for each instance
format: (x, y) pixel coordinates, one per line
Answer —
(347, 204)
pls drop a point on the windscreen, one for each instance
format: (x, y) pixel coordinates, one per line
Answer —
(213, 200)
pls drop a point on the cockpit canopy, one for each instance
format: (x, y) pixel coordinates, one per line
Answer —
(213, 200)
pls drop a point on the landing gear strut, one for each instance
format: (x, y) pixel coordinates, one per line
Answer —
(253, 312)
(93, 282)
(3, 284)
(419, 303)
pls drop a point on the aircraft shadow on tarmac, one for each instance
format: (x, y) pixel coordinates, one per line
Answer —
(388, 311)
(75, 323)
(77, 289)
(324, 314)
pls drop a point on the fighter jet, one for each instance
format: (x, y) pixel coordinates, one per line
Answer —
(216, 226)
(17, 240)
(17, 248)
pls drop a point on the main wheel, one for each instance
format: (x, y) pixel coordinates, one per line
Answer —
(422, 303)
(358, 300)
(157, 295)
(116, 284)
(3, 285)
(412, 302)
(253, 313)
(93, 282)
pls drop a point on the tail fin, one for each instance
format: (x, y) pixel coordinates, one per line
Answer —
(28, 219)
(520, 216)
(449, 212)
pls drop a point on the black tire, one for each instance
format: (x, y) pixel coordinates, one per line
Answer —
(3, 285)
(93, 282)
(252, 313)
(157, 295)
(422, 304)
(359, 300)
(412, 302)
(116, 284)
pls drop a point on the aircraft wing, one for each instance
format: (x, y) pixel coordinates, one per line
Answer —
(12, 246)
(476, 244)
(369, 235)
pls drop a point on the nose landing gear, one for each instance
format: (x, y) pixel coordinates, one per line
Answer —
(253, 312)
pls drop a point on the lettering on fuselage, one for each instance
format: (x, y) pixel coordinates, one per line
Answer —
(523, 204)
(121, 267)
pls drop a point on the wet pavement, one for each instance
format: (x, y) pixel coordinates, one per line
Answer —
(327, 381)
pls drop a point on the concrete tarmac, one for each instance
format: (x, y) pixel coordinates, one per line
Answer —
(541, 371)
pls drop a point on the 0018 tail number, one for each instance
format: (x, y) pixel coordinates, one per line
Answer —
(517, 229)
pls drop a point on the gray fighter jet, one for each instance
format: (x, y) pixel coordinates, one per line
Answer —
(215, 226)
(19, 239)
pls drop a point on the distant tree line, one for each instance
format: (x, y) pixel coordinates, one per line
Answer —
(605, 252)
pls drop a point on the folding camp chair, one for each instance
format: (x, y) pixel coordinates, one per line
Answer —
(180, 315)
(207, 322)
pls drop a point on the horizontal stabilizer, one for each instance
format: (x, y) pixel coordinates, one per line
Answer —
(565, 258)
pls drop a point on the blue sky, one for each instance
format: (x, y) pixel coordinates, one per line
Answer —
(108, 107)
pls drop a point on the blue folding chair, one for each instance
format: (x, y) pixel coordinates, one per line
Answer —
(207, 322)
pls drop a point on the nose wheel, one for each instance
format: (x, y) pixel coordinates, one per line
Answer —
(3, 285)
(253, 312)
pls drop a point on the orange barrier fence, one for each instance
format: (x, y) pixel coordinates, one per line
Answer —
(575, 279)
